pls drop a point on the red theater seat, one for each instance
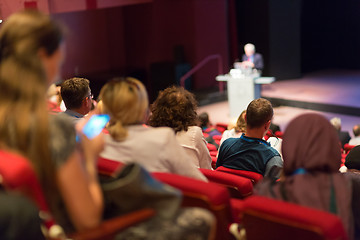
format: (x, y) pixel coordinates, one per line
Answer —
(108, 167)
(238, 186)
(265, 218)
(17, 174)
(348, 147)
(253, 176)
(207, 195)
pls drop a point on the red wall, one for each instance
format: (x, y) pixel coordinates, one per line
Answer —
(133, 37)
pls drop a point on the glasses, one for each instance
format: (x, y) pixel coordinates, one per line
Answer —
(90, 96)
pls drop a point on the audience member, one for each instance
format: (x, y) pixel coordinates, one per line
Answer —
(312, 158)
(77, 97)
(237, 130)
(175, 107)
(31, 53)
(356, 139)
(352, 163)
(344, 136)
(157, 149)
(250, 152)
(54, 99)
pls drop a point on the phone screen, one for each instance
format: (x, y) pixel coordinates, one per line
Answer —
(95, 125)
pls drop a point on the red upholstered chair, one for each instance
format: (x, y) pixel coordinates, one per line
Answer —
(253, 176)
(348, 147)
(213, 161)
(17, 174)
(213, 153)
(279, 134)
(238, 186)
(108, 167)
(221, 127)
(207, 195)
(265, 218)
(211, 147)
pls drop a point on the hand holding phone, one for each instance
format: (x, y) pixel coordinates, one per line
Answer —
(95, 125)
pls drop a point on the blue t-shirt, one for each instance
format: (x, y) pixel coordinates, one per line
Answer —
(245, 153)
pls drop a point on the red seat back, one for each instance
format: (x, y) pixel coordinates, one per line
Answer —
(348, 147)
(108, 167)
(207, 195)
(253, 176)
(239, 187)
(266, 218)
(18, 175)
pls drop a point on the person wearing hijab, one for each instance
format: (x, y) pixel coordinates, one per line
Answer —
(352, 163)
(312, 157)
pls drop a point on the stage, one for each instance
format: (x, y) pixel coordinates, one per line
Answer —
(331, 93)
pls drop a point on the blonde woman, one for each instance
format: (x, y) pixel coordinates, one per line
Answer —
(156, 149)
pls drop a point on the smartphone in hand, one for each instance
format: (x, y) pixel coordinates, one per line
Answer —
(95, 125)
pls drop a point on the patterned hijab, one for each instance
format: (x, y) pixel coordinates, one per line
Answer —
(312, 157)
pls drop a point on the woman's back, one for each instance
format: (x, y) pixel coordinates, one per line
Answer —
(156, 149)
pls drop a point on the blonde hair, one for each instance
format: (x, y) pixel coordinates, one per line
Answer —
(126, 101)
(241, 123)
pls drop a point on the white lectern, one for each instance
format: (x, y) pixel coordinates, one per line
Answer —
(242, 89)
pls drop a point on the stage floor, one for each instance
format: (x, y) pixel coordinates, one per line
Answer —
(330, 93)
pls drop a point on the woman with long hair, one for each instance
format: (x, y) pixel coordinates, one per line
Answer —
(31, 54)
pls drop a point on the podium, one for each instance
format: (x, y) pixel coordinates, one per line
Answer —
(242, 89)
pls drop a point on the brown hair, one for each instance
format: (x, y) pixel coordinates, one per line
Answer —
(74, 91)
(126, 101)
(258, 112)
(175, 107)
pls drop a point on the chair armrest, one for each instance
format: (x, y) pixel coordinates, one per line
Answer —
(109, 228)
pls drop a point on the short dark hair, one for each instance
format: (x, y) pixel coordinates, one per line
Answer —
(204, 119)
(74, 91)
(258, 112)
(175, 107)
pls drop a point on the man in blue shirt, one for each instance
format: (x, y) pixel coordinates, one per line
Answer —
(250, 152)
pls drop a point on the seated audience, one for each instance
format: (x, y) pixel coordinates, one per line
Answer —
(77, 97)
(344, 136)
(32, 49)
(312, 158)
(175, 107)
(250, 152)
(356, 139)
(156, 149)
(237, 130)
